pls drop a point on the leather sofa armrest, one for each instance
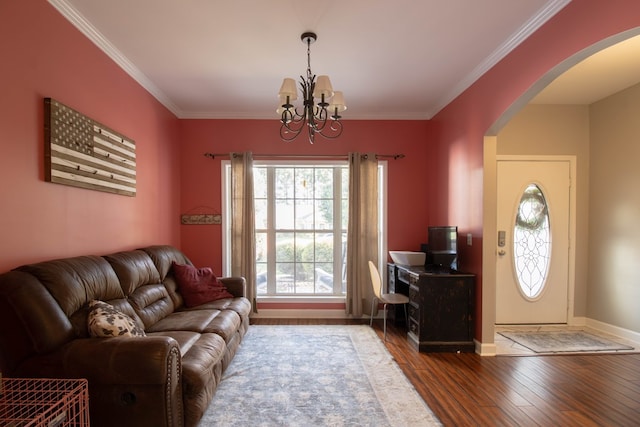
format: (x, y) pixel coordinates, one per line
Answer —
(132, 380)
(122, 360)
(236, 285)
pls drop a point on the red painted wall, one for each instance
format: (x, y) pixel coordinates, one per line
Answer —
(438, 182)
(445, 152)
(408, 178)
(43, 55)
(465, 121)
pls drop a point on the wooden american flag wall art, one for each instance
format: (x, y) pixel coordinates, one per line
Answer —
(83, 153)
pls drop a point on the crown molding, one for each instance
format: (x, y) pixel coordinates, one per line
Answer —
(232, 115)
(544, 14)
(79, 21)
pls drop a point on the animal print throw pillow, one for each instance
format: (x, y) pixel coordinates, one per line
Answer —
(105, 321)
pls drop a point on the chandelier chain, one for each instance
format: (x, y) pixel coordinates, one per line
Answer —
(308, 58)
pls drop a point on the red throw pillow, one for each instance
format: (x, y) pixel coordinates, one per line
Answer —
(198, 285)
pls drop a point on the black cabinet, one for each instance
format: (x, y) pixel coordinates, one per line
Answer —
(441, 308)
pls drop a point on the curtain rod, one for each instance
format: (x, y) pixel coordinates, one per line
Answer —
(305, 156)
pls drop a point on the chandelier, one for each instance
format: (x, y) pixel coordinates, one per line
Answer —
(322, 118)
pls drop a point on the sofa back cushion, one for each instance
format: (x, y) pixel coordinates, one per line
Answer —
(73, 282)
(31, 321)
(141, 284)
(163, 256)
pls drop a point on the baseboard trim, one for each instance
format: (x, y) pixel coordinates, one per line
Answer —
(486, 349)
(627, 334)
(280, 313)
(578, 321)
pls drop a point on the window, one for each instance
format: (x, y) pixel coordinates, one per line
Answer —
(532, 242)
(301, 226)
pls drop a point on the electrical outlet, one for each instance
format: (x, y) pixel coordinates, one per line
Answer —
(469, 239)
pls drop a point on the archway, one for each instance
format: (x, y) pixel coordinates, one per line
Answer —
(489, 180)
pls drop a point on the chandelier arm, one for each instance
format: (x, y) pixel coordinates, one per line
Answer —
(287, 116)
(322, 114)
(318, 118)
(285, 138)
(335, 127)
(291, 115)
(287, 135)
(292, 124)
(288, 132)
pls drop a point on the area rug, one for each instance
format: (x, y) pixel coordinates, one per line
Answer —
(315, 375)
(564, 342)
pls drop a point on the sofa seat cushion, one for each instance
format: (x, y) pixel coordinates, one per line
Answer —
(201, 354)
(224, 323)
(240, 305)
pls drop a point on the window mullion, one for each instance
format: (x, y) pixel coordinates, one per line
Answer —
(271, 234)
(337, 230)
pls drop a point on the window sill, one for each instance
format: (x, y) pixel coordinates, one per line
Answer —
(301, 299)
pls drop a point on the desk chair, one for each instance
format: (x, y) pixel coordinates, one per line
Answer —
(386, 299)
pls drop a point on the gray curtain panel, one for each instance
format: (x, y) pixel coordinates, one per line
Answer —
(243, 241)
(362, 231)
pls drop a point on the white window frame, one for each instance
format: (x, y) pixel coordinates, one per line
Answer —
(225, 180)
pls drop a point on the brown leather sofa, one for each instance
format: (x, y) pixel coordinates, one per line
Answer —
(166, 378)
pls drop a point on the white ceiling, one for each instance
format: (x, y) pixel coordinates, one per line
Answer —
(401, 59)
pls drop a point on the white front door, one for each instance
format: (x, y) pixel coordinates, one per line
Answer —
(532, 270)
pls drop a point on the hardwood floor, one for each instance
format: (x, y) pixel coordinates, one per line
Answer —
(469, 390)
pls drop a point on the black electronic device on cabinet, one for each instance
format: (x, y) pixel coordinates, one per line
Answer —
(442, 252)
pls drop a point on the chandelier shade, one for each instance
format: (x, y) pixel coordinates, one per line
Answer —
(321, 117)
(288, 89)
(323, 88)
(337, 103)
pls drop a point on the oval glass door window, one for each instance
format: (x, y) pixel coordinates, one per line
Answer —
(532, 242)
